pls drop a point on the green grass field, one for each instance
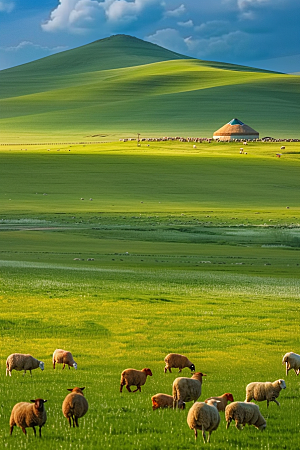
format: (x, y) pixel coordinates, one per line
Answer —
(123, 254)
(122, 86)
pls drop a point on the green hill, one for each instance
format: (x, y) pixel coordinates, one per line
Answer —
(122, 85)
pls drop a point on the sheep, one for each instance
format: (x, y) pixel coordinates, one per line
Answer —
(292, 361)
(243, 413)
(187, 389)
(222, 400)
(177, 361)
(133, 377)
(165, 401)
(205, 417)
(63, 357)
(25, 415)
(261, 391)
(21, 361)
(75, 405)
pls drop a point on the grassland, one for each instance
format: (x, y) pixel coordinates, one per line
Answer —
(122, 254)
(122, 86)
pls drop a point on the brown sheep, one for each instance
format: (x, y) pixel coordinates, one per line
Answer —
(133, 377)
(25, 415)
(75, 405)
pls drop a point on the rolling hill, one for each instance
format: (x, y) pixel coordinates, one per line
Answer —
(122, 86)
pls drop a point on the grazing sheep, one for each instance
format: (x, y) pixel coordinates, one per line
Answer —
(75, 405)
(291, 361)
(165, 401)
(26, 415)
(205, 417)
(222, 400)
(178, 362)
(20, 361)
(133, 377)
(243, 413)
(187, 389)
(261, 391)
(63, 357)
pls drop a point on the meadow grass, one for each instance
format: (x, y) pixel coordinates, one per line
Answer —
(181, 250)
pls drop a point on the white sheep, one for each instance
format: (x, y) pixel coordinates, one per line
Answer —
(261, 391)
(244, 413)
(187, 389)
(291, 361)
(177, 361)
(205, 417)
(21, 361)
(222, 400)
(75, 405)
(63, 357)
(25, 415)
(133, 377)
(165, 401)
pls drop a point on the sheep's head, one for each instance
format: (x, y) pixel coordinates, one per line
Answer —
(282, 384)
(75, 365)
(192, 367)
(198, 376)
(77, 390)
(41, 365)
(181, 404)
(147, 372)
(229, 397)
(39, 404)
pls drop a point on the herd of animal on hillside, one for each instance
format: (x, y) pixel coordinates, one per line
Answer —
(202, 416)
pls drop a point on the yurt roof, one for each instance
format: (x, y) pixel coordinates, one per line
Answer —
(235, 126)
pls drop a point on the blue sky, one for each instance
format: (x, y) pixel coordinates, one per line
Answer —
(258, 33)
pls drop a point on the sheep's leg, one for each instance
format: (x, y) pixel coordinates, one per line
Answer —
(209, 435)
(277, 403)
(297, 371)
(196, 433)
(24, 430)
(73, 419)
(63, 365)
(137, 389)
(30, 372)
(76, 421)
(179, 370)
(170, 370)
(128, 388)
(34, 431)
(228, 424)
(203, 435)
(69, 420)
(11, 429)
(267, 403)
(165, 369)
(53, 364)
(40, 431)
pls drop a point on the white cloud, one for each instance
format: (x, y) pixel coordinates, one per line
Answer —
(75, 16)
(176, 12)
(6, 6)
(169, 38)
(24, 45)
(188, 24)
(80, 16)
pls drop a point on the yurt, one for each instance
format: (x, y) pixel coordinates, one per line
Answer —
(235, 129)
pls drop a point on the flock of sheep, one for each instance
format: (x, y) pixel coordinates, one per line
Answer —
(202, 416)
(205, 415)
(33, 414)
